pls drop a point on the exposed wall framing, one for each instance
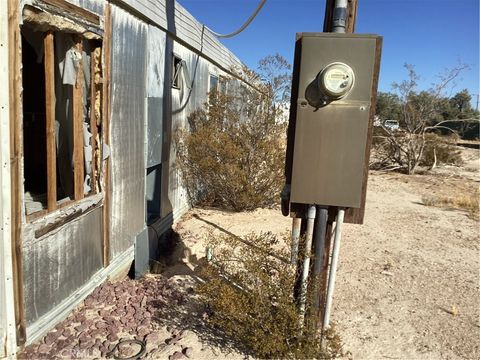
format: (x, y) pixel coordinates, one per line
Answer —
(16, 155)
(78, 116)
(50, 122)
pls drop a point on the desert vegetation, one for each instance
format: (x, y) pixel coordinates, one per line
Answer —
(429, 122)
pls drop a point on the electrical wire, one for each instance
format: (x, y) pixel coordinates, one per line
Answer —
(244, 26)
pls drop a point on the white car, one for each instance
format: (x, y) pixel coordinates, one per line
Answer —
(392, 125)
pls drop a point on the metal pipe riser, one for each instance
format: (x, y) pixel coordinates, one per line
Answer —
(333, 267)
(306, 262)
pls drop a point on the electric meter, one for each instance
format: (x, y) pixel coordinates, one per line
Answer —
(336, 80)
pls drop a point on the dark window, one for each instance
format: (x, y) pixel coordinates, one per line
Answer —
(177, 67)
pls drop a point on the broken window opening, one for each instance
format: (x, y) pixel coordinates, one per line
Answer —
(212, 88)
(62, 97)
(223, 85)
(176, 69)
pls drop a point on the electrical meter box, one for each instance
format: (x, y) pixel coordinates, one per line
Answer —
(336, 82)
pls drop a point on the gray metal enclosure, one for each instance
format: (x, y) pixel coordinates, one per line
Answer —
(331, 141)
(63, 252)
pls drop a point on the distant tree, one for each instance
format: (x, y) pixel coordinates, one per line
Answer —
(275, 72)
(461, 105)
(420, 113)
(388, 106)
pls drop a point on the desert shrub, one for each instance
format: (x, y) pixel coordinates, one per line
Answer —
(443, 148)
(469, 202)
(395, 150)
(232, 154)
(249, 293)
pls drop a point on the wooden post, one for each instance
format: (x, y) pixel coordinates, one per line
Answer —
(15, 81)
(50, 122)
(107, 45)
(78, 119)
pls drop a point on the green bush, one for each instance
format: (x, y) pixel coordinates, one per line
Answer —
(249, 291)
(232, 155)
(446, 151)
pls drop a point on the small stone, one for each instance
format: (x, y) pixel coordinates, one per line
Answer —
(188, 352)
(80, 318)
(80, 328)
(176, 355)
(84, 336)
(100, 325)
(152, 337)
(112, 337)
(142, 331)
(66, 333)
(103, 313)
(43, 349)
(89, 301)
(49, 339)
(139, 316)
(103, 350)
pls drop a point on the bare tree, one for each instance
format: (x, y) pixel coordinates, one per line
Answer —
(419, 109)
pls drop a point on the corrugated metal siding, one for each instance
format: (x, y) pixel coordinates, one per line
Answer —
(155, 10)
(59, 263)
(128, 84)
(155, 77)
(95, 6)
(186, 28)
(201, 68)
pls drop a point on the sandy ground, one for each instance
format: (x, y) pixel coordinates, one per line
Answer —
(407, 285)
(408, 281)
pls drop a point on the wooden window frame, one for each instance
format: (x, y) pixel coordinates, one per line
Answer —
(78, 119)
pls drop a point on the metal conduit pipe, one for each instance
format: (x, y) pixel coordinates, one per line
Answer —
(339, 23)
(296, 228)
(333, 267)
(319, 241)
(306, 261)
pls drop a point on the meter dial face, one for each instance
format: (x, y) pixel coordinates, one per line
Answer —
(336, 80)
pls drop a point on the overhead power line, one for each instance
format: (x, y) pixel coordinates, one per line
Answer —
(244, 26)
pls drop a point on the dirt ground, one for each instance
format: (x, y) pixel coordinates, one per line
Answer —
(407, 285)
(408, 281)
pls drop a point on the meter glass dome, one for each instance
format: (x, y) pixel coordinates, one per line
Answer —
(336, 80)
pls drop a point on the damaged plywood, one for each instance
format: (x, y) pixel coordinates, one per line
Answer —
(44, 21)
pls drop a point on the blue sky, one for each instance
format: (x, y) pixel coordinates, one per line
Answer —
(431, 34)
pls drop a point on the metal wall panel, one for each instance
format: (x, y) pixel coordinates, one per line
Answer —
(61, 262)
(155, 77)
(129, 49)
(183, 104)
(171, 16)
(95, 6)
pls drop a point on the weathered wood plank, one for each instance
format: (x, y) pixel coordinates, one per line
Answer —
(50, 122)
(78, 117)
(15, 81)
(73, 9)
